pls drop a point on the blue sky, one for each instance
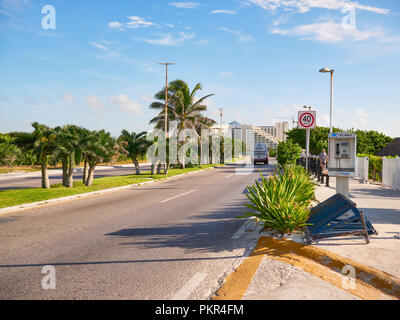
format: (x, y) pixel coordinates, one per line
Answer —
(99, 67)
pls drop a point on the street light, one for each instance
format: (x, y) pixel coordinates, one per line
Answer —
(166, 95)
(329, 70)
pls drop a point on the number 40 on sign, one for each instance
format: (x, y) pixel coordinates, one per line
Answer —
(307, 120)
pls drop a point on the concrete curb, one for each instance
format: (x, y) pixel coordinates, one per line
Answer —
(369, 283)
(43, 203)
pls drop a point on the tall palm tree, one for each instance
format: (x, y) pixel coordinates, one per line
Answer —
(136, 145)
(183, 108)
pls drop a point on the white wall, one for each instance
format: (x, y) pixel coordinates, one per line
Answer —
(391, 173)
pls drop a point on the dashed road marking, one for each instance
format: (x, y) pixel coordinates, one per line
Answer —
(181, 195)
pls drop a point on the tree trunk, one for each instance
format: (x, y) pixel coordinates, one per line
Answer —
(153, 168)
(137, 168)
(90, 176)
(85, 172)
(158, 168)
(45, 174)
(166, 169)
(70, 177)
(64, 171)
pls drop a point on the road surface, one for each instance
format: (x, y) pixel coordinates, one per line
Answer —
(34, 180)
(175, 239)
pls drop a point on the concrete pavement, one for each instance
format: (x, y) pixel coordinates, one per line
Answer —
(271, 274)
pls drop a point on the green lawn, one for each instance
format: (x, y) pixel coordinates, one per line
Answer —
(16, 197)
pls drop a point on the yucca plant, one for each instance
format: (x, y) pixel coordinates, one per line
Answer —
(282, 201)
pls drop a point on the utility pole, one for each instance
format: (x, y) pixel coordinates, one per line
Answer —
(220, 115)
(166, 167)
(166, 95)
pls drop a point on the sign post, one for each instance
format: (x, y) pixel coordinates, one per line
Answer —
(307, 121)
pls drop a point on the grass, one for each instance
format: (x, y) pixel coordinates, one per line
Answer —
(16, 197)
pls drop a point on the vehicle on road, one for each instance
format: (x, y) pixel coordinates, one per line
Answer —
(261, 153)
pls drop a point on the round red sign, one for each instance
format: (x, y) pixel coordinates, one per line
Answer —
(307, 120)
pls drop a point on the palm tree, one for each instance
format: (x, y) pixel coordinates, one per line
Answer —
(100, 147)
(136, 145)
(43, 141)
(8, 151)
(68, 147)
(183, 108)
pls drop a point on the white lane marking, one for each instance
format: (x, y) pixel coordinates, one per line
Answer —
(189, 287)
(231, 175)
(181, 195)
(242, 229)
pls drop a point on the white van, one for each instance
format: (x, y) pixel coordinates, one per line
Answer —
(261, 153)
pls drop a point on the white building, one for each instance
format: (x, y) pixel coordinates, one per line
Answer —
(271, 135)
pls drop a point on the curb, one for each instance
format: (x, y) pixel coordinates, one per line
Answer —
(43, 203)
(370, 283)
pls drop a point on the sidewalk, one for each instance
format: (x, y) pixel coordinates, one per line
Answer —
(276, 271)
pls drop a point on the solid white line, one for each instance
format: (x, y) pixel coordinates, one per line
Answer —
(183, 194)
(241, 230)
(189, 287)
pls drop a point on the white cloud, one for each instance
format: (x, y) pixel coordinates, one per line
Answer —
(185, 5)
(223, 11)
(138, 22)
(169, 39)
(330, 31)
(95, 103)
(68, 98)
(305, 5)
(225, 74)
(361, 117)
(100, 46)
(240, 35)
(116, 25)
(134, 22)
(125, 104)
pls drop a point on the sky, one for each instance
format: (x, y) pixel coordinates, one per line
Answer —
(94, 63)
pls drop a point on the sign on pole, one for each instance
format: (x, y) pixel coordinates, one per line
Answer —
(307, 120)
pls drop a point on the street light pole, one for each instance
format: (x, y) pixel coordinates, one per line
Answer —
(326, 70)
(166, 96)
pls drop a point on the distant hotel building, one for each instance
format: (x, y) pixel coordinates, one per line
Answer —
(271, 135)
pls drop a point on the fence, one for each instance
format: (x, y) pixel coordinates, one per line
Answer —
(391, 173)
(362, 169)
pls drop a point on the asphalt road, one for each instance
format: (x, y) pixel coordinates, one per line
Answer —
(175, 239)
(33, 179)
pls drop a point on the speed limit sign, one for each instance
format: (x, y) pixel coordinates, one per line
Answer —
(307, 120)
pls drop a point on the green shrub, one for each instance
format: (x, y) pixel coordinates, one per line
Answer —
(288, 152)
(282, 201)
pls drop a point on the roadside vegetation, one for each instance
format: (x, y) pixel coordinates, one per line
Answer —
(282, 202)
(70, 145)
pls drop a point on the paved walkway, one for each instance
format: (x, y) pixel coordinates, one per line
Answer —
(275, 279)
